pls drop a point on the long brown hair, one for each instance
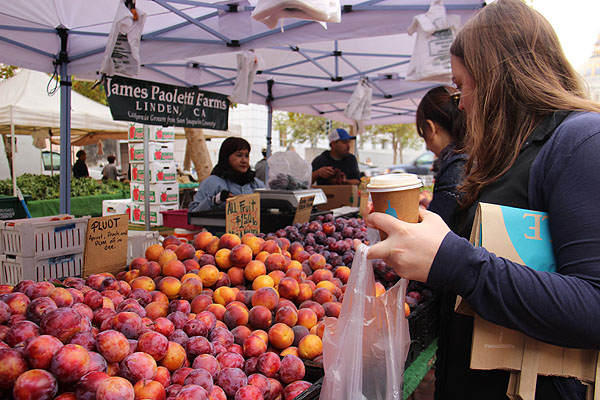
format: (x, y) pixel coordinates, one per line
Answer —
(521, 75)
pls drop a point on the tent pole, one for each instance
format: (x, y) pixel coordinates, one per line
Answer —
(12, 152)
(146, 130)
(65, 140)
(65, 125)
(270, 83)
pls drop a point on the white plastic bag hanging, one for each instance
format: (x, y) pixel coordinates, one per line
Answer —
(364, 350)
(359, 105)
(269, 12)
(122, 54)
(288, 171)
(430, 60)
(247, 65)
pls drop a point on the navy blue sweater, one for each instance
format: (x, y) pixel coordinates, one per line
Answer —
(560, 308)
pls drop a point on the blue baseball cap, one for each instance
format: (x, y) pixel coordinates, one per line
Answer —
(339, 134)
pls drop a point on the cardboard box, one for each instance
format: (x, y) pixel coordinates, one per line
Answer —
(114, 207)
(163, 151)
(526, 240)
(339, 196)
(160, 193)
(159, 172)
(138, 214)
(156, 133)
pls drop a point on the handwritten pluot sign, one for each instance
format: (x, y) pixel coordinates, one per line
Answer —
(154, 103)
(105, 245)
(242, 214)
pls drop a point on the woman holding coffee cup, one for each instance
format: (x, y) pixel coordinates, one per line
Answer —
(532, 142)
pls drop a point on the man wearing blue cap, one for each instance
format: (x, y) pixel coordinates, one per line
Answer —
(336, 166)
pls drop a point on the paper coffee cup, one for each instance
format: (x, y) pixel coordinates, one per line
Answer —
(396, 195)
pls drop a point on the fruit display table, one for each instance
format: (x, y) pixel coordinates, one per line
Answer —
(80, 206)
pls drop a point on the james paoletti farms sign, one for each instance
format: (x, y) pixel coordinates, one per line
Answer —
(154, 103)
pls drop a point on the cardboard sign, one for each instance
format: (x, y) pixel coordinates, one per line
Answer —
(242, 214)
(304, 209)
(105, 245)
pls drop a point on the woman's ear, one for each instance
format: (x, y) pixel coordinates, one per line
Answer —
(432, 126)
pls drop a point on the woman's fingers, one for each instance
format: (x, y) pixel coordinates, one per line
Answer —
(381, 250)
(383, 222)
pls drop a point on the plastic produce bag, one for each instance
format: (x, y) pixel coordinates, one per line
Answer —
(247, 65)
(288, 171)
(359, 105)
(122, 54)
(365, 350)
(430, 60)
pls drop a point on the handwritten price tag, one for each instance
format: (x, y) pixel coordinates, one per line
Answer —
(304, 209)
(105, 245)
(242, 214)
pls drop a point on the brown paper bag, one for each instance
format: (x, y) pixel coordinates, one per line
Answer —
(521, 236)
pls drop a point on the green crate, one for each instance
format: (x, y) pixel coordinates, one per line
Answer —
(11, 207)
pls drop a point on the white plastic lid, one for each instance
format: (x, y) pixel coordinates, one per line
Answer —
(399, 181)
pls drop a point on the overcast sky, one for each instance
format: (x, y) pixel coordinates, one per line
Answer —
(577, 24)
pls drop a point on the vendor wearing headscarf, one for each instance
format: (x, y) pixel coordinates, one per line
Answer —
(231, 176)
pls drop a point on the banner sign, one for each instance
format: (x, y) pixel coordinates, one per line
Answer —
(154, 103)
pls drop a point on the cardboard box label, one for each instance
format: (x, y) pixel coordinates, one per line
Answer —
(105, 245)
(242, 214)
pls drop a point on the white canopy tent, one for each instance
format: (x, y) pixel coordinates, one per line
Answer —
(69, 36)
(26, 105)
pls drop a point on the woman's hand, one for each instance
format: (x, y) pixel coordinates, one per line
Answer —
(409, 248)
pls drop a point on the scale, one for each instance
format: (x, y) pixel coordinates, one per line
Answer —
(287, 200)
(277, 209)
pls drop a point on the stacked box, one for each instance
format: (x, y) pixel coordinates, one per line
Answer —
(160, 193)
(114, 207)
(156, 134)
(138, 214)
(162, 173)
(159, 172)
(157, 151)
(42, 248)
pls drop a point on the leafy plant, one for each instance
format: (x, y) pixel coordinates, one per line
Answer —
(43, 187)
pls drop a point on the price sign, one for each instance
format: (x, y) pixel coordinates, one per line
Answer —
(105, 245)
(242, 214)
(304, 209)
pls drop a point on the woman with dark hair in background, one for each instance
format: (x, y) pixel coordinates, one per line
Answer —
(231, 176)
(441, 124)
